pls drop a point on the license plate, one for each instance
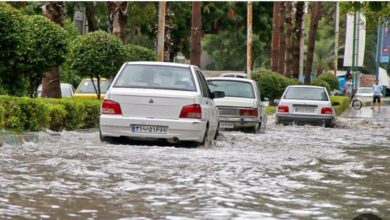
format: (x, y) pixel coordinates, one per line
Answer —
(149, 129)
(305, 109)
(226, 125)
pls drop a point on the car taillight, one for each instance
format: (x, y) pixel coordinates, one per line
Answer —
(191, 111)
(327, 110)
(282, 108)
(111, 107)
(249, 112)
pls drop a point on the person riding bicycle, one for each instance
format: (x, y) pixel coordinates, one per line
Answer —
(348, 88)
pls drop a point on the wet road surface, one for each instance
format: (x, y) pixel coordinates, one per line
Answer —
(287, 172)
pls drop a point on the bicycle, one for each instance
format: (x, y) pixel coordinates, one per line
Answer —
(356, 103)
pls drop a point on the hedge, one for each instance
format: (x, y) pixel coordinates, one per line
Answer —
(26, 114)
(319, 82)
(342, 103)
(331, 79)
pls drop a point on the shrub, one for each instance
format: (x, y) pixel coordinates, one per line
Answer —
(331, 79)
(25, 114)
(272, 84)
(96, 54)
(139, 53)
(342, 103)
(319, 82)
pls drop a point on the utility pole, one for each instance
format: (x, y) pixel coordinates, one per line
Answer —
(249, 40)
(378, 48)
(161, 31)
(336, 44)
(355, 48)
(196, 33)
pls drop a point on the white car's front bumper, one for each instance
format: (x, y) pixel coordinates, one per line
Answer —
(182, 129)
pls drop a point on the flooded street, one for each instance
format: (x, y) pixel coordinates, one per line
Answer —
(288, 172)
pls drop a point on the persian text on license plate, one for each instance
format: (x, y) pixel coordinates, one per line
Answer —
(226, 125)
(304, 109)
(149, 129)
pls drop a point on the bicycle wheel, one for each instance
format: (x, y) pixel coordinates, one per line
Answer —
(357, 104)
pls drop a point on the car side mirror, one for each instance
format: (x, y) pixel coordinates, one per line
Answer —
(218, 94)
(277, 101)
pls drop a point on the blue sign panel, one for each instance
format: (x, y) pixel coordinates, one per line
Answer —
(385, 44)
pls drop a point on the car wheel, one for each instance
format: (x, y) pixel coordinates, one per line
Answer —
(329, 124)
(216, 133)
(105, 139)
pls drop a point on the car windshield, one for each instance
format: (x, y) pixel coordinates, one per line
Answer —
(305, 93)
(87, 87)
(365, 90)
(232, 88)
(156, 77)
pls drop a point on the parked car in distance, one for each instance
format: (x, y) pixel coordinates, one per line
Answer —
(86, 89)
(238, 75)
(241, 108)
(365, 93)
(305, 104)
(160, 100)
(67, 90)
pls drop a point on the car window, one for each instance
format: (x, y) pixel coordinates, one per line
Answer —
(318, 94)
(156, 77)
(66, 90)
(87, 87)
(203, 84)
(233, 88)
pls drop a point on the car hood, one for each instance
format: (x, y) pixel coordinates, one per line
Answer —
(236, 102)
(365, 94)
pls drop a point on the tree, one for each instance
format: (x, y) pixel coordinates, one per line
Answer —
(91, 55)
(282, 40)
(51, 80)
(90, 13)
(47, 47)
(315, 15)
(288, 40)
(139, 53)
(275, 37)
(196, 33)
(297, 37)
(117, 12)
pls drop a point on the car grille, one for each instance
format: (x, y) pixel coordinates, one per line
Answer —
(229, 111)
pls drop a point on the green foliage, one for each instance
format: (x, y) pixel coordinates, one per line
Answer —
(319, 82)
(331, 79)
(25, 114)
(96, 54)
(342, 103)
(272, 84)
(139, 53)
(270, 110)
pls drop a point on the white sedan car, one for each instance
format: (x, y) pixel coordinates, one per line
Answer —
(305, 104)
(241, 108)
(365, 93)
(156, 100)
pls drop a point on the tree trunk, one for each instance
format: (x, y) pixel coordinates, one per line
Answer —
(196, 33)
(51, 84)
(315, 17)
(297, 36)
(91, 16)
(275, 37)
(168, 51)
(282, 42)
(117, 16)
(289, 27)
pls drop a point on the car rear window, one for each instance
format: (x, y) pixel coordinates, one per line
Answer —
(232, 88)
(87, 87)
(156, 77)
(304, 93)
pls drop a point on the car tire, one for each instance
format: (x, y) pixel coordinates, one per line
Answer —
(329, 124)
(216, 133)
(105, 139)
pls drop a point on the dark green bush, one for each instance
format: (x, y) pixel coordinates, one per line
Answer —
(25, 114)
(272, 84)
(342, 103)
(319, 82)
(139, 53)
(331, 79)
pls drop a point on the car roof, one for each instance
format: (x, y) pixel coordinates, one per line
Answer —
(365, 88)
(306, 86)
(231, 79)
(154, 63)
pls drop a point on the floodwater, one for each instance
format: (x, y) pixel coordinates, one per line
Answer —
(287, 172)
